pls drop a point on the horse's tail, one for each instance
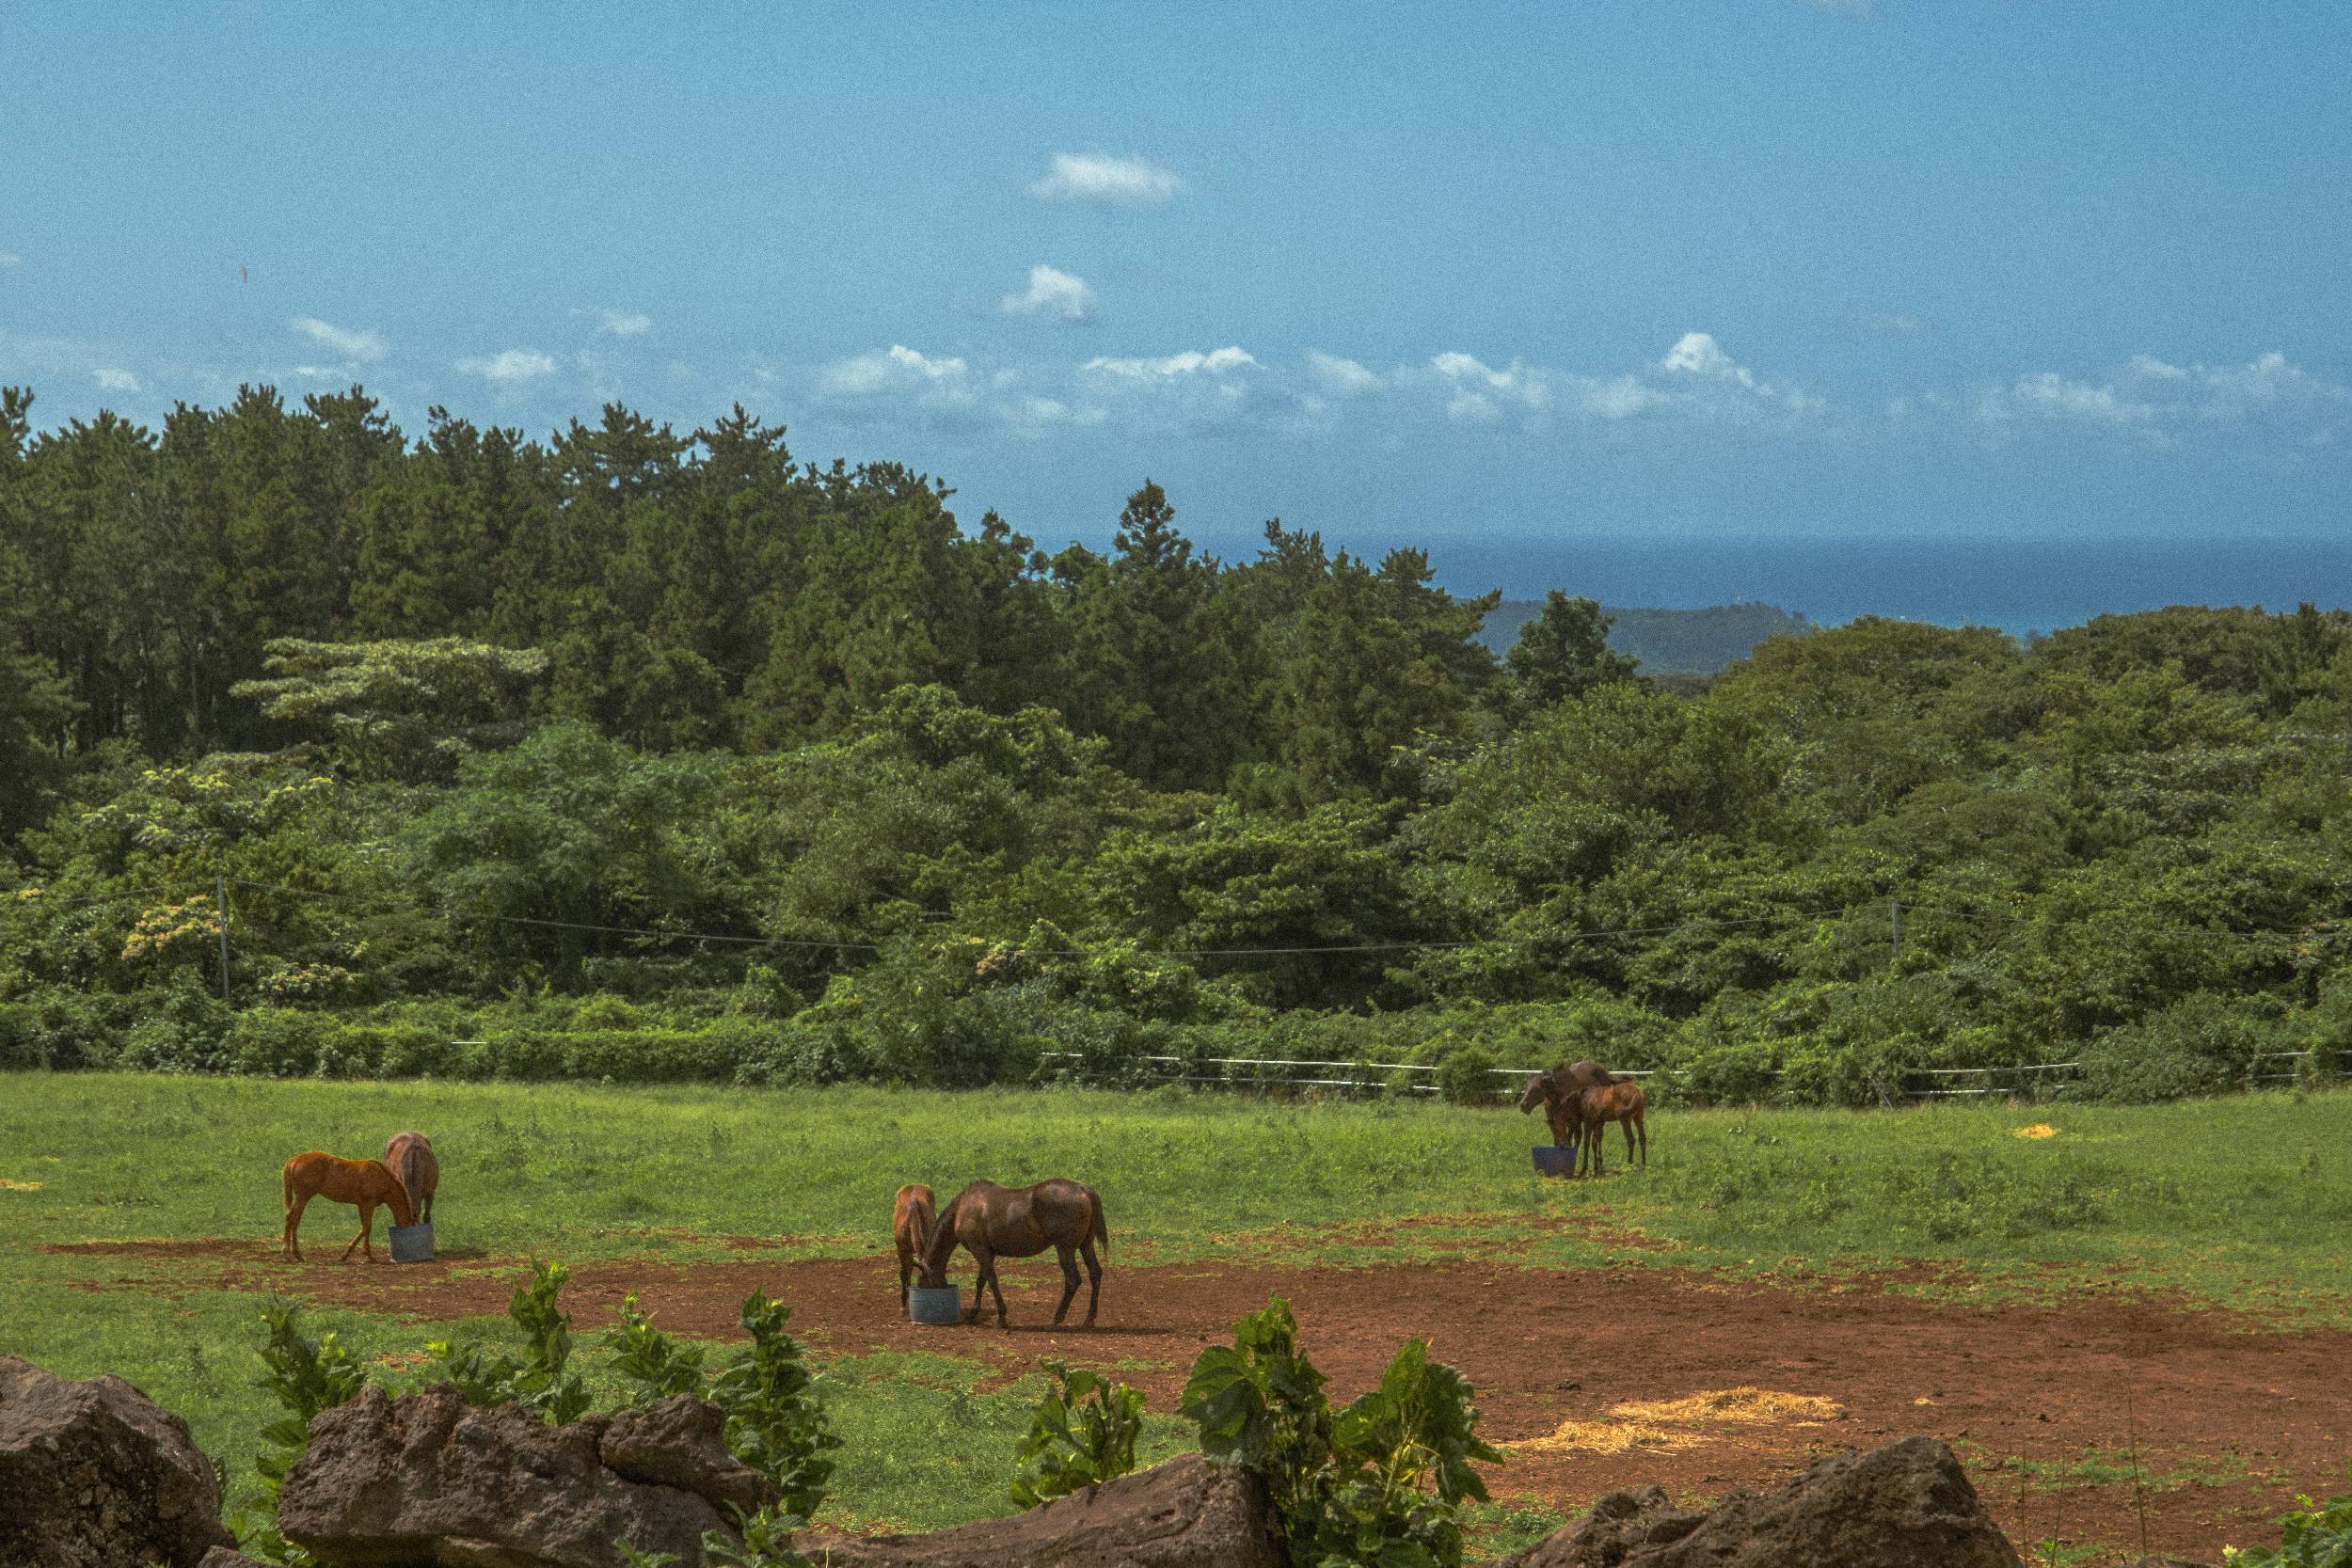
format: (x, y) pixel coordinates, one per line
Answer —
(410, 1171)
(1101, 1231)
(920, 1219)
(285, 1184)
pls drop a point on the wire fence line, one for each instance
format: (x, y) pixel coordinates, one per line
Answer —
(2036, 1081)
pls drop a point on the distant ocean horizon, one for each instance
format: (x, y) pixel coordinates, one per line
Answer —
(2023, 586)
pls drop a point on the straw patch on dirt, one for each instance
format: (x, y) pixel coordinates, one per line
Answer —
(1667, 1425)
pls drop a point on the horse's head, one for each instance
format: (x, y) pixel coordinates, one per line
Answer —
(392, 1192)
(1534, 1095)
(937, 1239)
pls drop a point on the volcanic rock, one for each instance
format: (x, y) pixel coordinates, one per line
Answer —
(682, 1441)
(427, 1479)
(1907, 1505)
(96, 1474)
(1186, 1513)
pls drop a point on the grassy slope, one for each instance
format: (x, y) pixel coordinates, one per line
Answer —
(2241, 1201)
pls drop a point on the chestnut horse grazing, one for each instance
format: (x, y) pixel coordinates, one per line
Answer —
(410, 1157)
(364, 1182)
(910, 1221)
(1560, 1090)
(992, 1221)
(1620, 1102)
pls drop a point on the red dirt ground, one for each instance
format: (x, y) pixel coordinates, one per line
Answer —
(2045, 1383)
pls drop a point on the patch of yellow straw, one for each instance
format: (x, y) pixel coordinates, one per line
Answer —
(2039, 1130)
(1670, 1424)
(19, 1186)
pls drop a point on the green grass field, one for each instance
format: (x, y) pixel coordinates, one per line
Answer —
(2241, 1201)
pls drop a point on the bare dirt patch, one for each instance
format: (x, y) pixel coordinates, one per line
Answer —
(1742, 1381)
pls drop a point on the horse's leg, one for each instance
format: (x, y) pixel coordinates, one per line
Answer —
(1639, 1122)
(366, 1223)
(1069, 1281)
(1628, 1125)
(906, 1273)
(1558, 1116)
(1095, 1278)
(1597, 1143)
(997, 1289)
(993, 1284)
(292, 1244)
(982, 1258)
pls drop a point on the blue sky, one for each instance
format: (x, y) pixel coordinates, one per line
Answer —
(1745, 267)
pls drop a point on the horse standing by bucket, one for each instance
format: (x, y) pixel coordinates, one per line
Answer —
(363, 1184)
(911, 1220)
(410, 1157)
(1560, 1090)
(1621, 1103)
(990, 1221)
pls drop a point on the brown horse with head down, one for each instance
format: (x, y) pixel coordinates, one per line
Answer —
(363, 1182)
(992, 1222)
(911, 1220)
(410, 1157)
(1620, 1102)
(1560, 1090)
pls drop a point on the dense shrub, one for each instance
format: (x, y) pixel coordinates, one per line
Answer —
(66, 1031)
(280, 1042)
(1468, 1077)
(2199, 1045)
(181, 1029)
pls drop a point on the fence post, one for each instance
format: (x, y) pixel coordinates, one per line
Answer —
(1895, 926)
(220, 905)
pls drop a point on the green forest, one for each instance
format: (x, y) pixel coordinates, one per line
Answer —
(642, 756)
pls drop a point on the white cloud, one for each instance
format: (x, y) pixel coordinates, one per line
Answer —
(1344, 377)
(937, 387)
(1191, 362)
(2052, 396)
(350, 345)
(1618, 398)
(10, 259)
(1092, 177)
(1698, 353)
(2157, 396)
(1052, 293)
(1893, 324)
(2153, 368)
(510, 369)
(620, 324)
(1480, 393)
(116, 381)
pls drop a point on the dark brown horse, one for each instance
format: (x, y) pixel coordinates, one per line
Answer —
(911, 1220)
(992, 1222)
(362, 1182)
(1560, 1090)
(1619, 1102)
(409, 1156)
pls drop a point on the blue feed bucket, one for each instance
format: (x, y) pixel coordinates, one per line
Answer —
(942, 1304)
(1555, 1159)
(412, 1243)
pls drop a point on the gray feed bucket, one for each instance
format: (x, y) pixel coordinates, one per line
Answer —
(940, 1303)
(412, 1243)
